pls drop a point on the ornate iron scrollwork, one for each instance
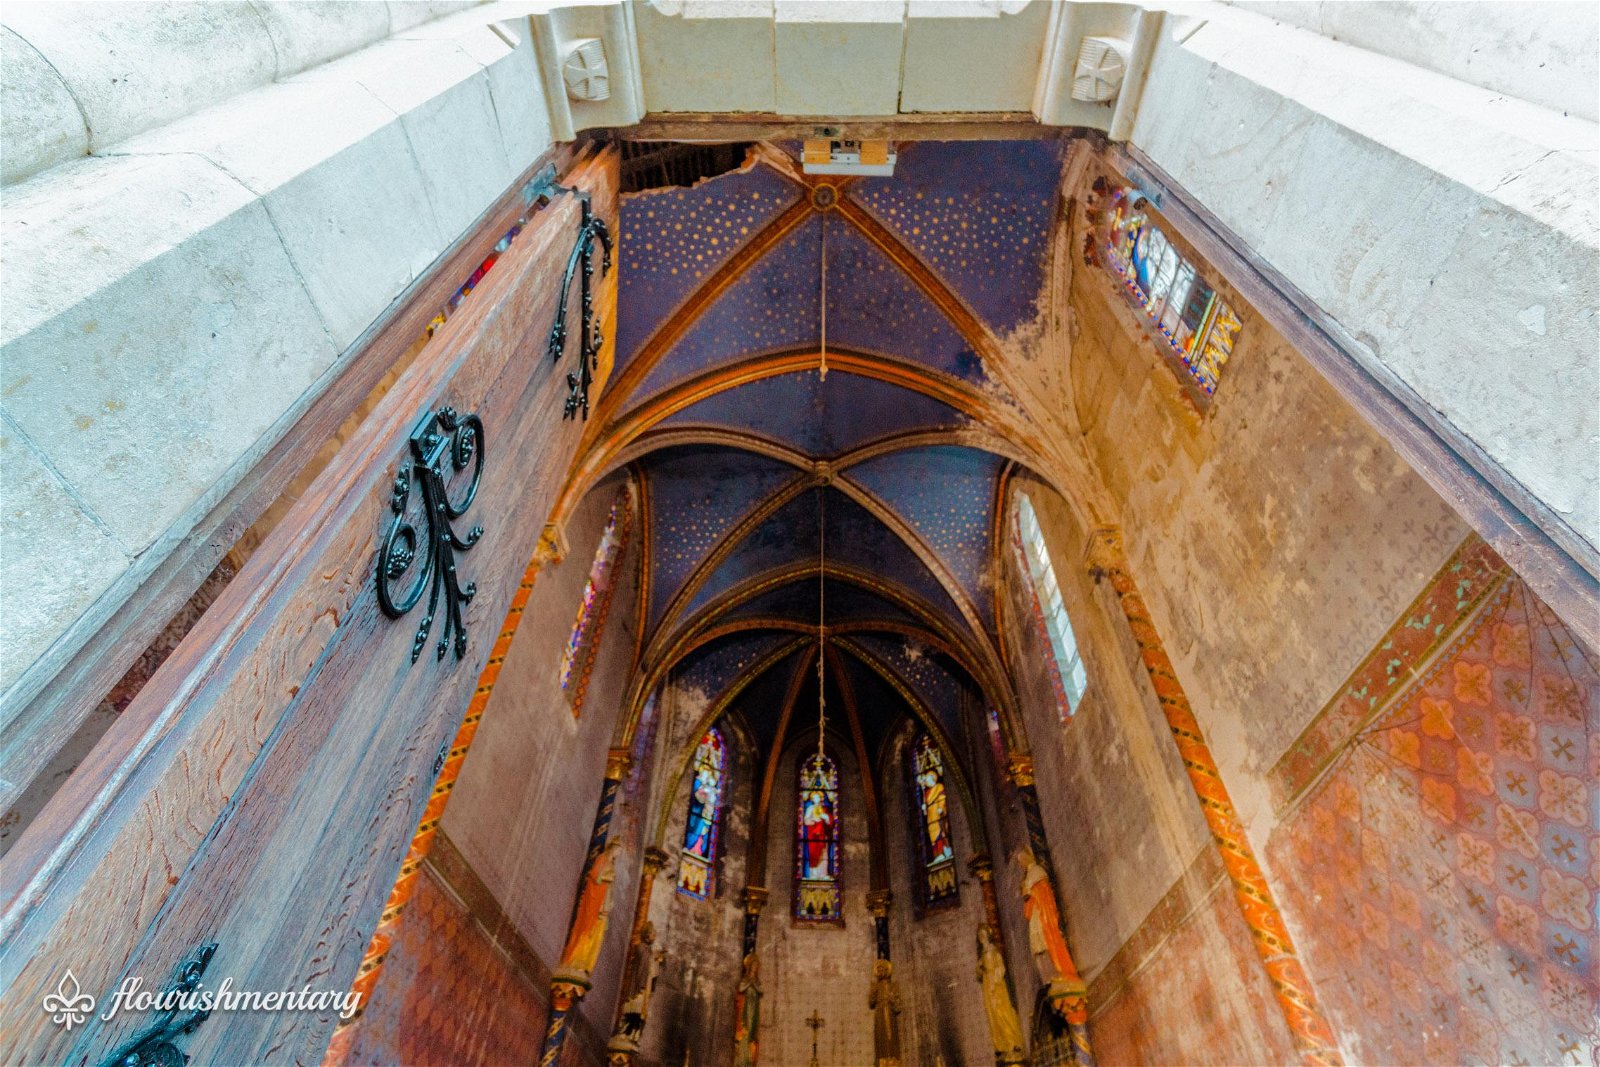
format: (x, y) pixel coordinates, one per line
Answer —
(437, 435)
(590, 228)
(156, 1045)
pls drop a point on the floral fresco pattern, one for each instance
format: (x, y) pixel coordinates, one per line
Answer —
(1444, 875)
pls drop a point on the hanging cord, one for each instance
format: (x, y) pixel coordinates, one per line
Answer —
(822, 612)
(822, 365)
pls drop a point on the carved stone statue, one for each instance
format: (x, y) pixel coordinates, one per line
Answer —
(1044, 922)
(636, 1008)
(1005, 1029)
(884, 1000)
(1066, 991)
(582, 949)
(747, 1014)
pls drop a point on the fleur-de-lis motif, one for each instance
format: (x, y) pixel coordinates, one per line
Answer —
(69, 1005)
(461, 437)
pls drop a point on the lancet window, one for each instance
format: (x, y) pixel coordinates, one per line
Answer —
(1193, 321)
(816, 897)
(1069, 675)
(934, 844)
(577, 661)
(702, 832)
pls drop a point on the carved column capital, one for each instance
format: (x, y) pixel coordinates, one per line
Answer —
(982, 867)
(1103, 554)
(552, 546)
(1019, 769)
(567, 991)
(654, 860)
(754, 898)
(878, 901)
(617, 762)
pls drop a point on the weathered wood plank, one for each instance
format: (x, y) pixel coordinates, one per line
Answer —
(61, 690)
(261, 789)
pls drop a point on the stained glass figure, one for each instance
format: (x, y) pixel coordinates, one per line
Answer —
(696, 870)
(817, 842)
(1197, 325)
(933, 829)
(1070, 677)
(577, 661)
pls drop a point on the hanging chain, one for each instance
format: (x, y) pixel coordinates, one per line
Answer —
(822, 612)
(822, 365)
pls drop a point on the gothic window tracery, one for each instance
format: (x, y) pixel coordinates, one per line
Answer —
(816, 897)
(703, 829)
(577, 660)
(1196, 325)
(935, 847)
(1068, 673)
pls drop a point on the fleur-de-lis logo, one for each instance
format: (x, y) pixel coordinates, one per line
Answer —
(69, 1005)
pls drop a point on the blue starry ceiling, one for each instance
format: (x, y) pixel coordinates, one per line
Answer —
(721, 315)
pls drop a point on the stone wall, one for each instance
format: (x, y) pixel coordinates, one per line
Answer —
(808, 967)
(525, 803)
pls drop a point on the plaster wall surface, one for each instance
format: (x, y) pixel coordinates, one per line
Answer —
(1450, 231)
(1128, 838)
(1273, 537)
(935, 951)
(524, 806)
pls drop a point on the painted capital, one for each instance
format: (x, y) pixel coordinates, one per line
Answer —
(1020, 770)
(654, 860)
(565, 992)
(1103, 555)
(617, 763)
(754, 898)
(982, 867)
(552, 546)
(878, 901)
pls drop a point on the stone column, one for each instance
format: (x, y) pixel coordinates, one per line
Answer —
(339, 1047)
(569, 984)
(1312, 1034)
(878, 901)
(1069, 996)
(754, 899)
(982, 868)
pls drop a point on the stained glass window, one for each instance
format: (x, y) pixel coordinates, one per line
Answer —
(1069, 674)
(577, 661)
(696, 871)
(933, 823)
(816, 897)
(1197, 325)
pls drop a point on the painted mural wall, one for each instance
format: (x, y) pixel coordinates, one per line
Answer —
(1438, 838)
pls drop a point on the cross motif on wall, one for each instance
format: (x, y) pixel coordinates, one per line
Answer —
(816, 1022)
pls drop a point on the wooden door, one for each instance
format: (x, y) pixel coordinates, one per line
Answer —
(260, 792)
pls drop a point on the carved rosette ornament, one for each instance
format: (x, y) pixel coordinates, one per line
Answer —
(431, 541)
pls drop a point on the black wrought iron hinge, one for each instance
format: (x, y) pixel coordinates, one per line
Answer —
(157, 1044)
(439, 434)
(591, 228)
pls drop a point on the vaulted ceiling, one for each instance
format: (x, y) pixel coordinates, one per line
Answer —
(758, 472)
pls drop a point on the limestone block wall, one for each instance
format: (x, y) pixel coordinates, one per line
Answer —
(1450, 230)
(248, 206)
